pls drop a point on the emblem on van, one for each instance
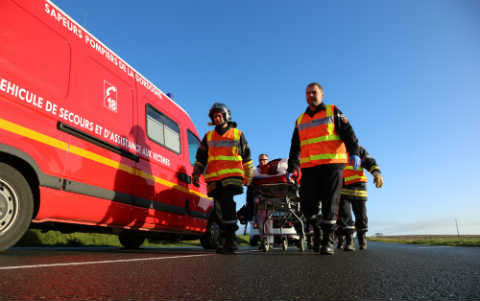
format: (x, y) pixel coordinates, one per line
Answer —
(110, 96)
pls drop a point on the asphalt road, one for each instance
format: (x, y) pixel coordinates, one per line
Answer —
(383, 272)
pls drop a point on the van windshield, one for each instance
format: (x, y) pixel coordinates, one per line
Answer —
(193, 144)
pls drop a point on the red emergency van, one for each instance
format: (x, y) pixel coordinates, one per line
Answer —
(86, 142)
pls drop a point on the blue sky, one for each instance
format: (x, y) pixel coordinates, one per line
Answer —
(405, 73)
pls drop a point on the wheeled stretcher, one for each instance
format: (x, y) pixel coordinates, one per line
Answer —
(282, 202)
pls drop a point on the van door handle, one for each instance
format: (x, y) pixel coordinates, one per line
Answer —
(187, 207)
(184, 178)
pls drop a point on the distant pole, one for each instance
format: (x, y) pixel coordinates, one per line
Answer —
(458, 232)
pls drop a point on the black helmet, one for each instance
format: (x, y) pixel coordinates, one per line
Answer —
(220, 108)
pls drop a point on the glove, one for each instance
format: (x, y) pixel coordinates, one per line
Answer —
(355, 161)
(248, 177)
(196, 180)
(378, 179)
(241, 215)
(197, 171)
(289, 177)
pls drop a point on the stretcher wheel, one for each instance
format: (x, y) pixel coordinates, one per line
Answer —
(302, 244)
(284, 244)
(309, 241)
(266, 245)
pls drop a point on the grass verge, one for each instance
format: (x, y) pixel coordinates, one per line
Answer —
(35, 237)
(441, 240)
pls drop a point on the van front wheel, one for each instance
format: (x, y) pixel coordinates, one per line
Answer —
(130, 239)
(210, 238)
(16, 206)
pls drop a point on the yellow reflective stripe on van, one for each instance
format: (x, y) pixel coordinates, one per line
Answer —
(354, 192)
(348, 179)
(222, 172)
(322, 157)
(100, 159)
(320, 139)
(134, 171)
(169, 184)
(34, 135)
(225, 158)
(42, 138)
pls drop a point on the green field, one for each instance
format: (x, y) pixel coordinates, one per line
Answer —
(438, 240)
(55, 238)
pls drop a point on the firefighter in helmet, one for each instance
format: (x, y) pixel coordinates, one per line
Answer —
(224, 158)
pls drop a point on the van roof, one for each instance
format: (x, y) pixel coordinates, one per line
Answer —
(113, 52)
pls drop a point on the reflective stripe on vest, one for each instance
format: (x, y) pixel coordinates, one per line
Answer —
(354, 192)
(319, 141)
(351, 175)
(224, 159)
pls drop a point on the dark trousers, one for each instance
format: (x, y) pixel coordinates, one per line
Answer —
(345, 221)
(225, 206)
(321, 185)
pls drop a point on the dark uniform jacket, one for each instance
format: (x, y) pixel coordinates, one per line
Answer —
(342, 126)
(369, 164)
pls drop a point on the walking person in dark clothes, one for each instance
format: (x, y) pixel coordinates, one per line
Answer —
(321, 143)
(224, 155)
(354, 196)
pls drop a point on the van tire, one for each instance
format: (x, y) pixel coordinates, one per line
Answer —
(130, 239)
(210, 238)
(16, 206)
(254, 241)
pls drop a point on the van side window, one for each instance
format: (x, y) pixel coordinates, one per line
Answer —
(162, 129)
(193, 144)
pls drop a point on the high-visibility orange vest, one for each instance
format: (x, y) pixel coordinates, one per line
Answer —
(351, 175)
(319, 141)
(224, 159)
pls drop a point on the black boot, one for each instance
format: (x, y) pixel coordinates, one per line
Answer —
(229, 244)
(362, 240)
(261, 247)
(317, 238)
(340, 241)
(220, 241)
(349, 243)
(328, 247)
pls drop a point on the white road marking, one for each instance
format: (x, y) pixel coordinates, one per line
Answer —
(17, 267)
(96, 262)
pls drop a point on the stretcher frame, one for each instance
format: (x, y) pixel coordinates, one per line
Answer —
(284, 197)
